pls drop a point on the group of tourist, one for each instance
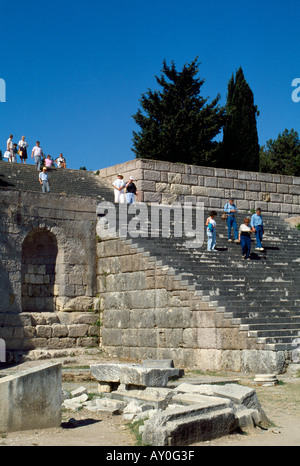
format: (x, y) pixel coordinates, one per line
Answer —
(242, 235)
(124, 192)
(41, 161)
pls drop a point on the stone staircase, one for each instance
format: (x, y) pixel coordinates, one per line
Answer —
(63, 181)
(260, 296)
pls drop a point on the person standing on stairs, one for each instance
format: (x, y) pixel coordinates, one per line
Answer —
(23, 149)
(131, 191)
(258, 226)
(230, 209)
(245, 238)
(37, 153)
(44, 180)
(119, 186)
(211, 231)
(10, 148)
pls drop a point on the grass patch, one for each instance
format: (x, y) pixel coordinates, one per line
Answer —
(134, 427)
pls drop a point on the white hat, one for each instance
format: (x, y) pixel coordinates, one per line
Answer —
(131, 178)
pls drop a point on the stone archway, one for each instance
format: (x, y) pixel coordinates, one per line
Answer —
(39, 254)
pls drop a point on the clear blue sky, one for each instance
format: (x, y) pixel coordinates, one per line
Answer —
(75, 70)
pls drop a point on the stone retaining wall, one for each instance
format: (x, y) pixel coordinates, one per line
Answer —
(147, 312)
(47, 271)
(166, 182)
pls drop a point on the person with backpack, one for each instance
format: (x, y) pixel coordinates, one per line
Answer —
(211, 231)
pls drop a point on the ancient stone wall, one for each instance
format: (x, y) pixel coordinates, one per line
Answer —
(148, 312)
(48, 271)
(165, 182)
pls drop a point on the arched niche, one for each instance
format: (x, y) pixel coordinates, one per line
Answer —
(39, 255)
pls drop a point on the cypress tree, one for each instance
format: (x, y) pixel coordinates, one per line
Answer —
(240, 139)
(176, 123)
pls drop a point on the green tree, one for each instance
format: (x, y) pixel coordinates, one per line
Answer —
(176, 123)
(281, 155)
(240, 149)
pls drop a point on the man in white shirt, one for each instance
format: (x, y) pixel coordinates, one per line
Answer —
(44, 180)
(37, 153)
(119, 186)
(10, 148)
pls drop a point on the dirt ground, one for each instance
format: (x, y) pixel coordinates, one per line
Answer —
(281, 404)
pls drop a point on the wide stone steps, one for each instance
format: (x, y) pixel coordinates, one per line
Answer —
(63, 181)
(261, 292)
(261, 296)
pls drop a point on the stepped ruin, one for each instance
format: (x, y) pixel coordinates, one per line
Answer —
(64, 287)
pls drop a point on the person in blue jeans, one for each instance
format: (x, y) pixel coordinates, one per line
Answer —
(211, 231)
(245, 238)
(231, 210)
(131, 191)
(258, 226)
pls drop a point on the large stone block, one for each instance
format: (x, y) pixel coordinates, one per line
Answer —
(133, 374)
(184, 425)
(31, 399)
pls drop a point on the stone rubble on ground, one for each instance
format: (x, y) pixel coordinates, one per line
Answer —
(181, 414)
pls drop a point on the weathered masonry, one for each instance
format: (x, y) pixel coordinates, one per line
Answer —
(65, 287)
(166, 182)
(48, 271)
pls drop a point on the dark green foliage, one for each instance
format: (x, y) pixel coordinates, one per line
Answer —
(177, 124)
(240, 140)
(281, 155)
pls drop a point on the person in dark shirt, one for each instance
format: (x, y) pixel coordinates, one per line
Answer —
(131, 191)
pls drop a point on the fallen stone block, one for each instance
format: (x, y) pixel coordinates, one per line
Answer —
(81, 398)
(266, 379)
(245, 396)
(184, 425)
(79, 391)
(31, 399)
(74, 403)
(238, 394)
(158, 398)
(105, 405)
(201, 400)
(133, 374)
(132, 409)
(71, 404)
(247, 418)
